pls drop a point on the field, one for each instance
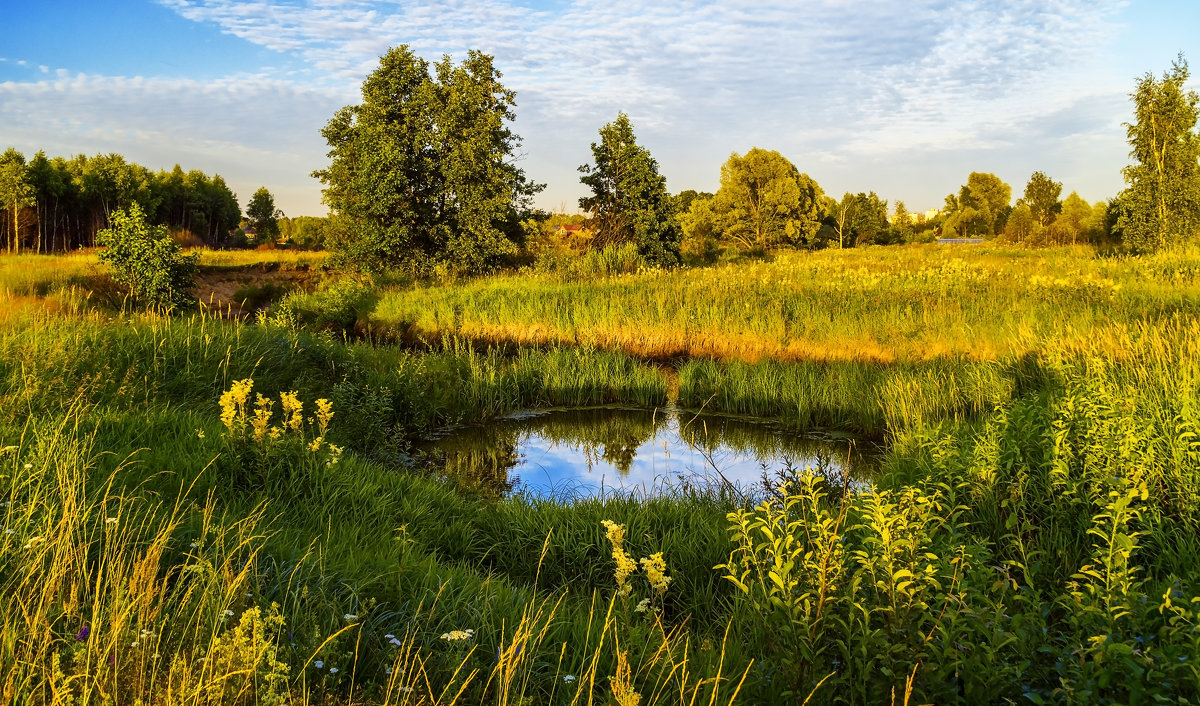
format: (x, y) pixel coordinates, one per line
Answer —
(1033, 535)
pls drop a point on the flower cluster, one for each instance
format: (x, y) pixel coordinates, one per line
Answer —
(656, 572)
(235, 416)
(625, 563)
(456, 635)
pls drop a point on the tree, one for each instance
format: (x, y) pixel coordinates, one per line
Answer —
(1022, 226)
(422, 172)
(1077, 221)
(1041, 194)
(980, 208)
(147, 260)
(764, 201)
(263, 215)
(902, 223)
(15, 192)
(629, 201)
(1161, 205)
(859, 218)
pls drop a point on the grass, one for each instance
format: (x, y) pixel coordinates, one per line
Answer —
(1031, 536)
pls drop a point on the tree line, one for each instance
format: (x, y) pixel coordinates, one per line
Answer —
(423, 175)
(57, 204)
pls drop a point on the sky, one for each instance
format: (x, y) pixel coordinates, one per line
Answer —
(901, 98)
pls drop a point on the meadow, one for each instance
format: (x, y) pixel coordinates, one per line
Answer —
(1033, 535)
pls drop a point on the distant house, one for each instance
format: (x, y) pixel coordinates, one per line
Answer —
(568, 229)
(958, 241)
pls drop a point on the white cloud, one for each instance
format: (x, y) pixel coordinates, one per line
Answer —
(850, 90)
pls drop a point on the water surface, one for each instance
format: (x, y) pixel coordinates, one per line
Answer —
(588, 452)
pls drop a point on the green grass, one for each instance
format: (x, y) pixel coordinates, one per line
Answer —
(1032, 536)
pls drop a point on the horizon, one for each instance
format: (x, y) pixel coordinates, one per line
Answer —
(905, 102)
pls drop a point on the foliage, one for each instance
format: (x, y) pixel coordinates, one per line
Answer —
(263, 215)
(1161, 206)
(980, 208)
(1041, 196)
(147, 260)
(858, 218)
(422, 170)
(764, 201)
(629, 200)
(16, 192)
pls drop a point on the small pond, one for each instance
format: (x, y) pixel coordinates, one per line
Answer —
(589, 452)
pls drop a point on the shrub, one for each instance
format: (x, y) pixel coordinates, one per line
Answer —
(147, 260)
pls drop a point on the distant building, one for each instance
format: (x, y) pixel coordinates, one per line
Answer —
(568, 229)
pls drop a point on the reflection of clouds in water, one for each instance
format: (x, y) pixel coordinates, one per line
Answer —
(575, 453)
(559, 467)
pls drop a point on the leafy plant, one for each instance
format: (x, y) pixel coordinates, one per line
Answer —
(145, 259)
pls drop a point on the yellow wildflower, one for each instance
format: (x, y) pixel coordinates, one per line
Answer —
(656, 572)
(455, 635)
(315, 446)
(625, 563)
(622, 683)
(262, 416)
(324, 414)
(233, 401)
(292, 410)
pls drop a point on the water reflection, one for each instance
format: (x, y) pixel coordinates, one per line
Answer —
(584, 452)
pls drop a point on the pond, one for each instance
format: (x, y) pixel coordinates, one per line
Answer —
(601, 451)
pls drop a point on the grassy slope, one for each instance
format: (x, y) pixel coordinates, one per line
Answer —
(1017, 460)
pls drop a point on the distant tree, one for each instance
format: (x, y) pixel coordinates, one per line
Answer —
(765, 201)
(15, 192)
(1161, 205)
(1022, 226)
(422, 172)
(147, 260)
(1041, 194)
(902, 223)
(858, 218)
(1076, 222)
(263, 215)
(682, 201)
(700, 235)
(629, 200)
(980, 208)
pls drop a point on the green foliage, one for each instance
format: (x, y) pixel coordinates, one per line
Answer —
(764, 201)
(1041, 195)
(263, 215)
(980, 208)
(422, 171)
(147, 260)
(629, 201)
(15, 192)
(859, 218)
(1161, 206)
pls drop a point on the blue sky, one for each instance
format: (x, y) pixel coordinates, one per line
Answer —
(901, 98)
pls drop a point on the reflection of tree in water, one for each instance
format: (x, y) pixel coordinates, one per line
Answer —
(711, 433)
(478, 460)
(612, 435)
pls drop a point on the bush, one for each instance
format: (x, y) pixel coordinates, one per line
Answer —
(147, 260)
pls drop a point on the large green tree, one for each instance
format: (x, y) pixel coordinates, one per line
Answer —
(1161, 206)
(981, 206)
(765, 201)
(858, 218)
(629, 200)
(423, 171)
(263, 216)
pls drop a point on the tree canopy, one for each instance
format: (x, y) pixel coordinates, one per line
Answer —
(422, 172)
(629, 201)
(764, 201)
(980, 208)
(67, 201)
(1041, 195)
(263, 216)
(1161, 205)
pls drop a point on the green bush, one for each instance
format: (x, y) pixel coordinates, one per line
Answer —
(145, 259)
